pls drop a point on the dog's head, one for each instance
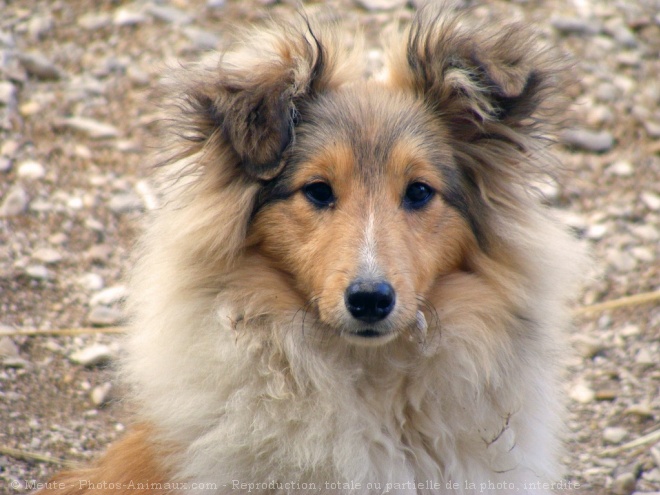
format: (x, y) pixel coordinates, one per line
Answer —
(363, 196)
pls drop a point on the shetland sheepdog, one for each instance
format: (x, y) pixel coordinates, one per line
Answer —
(352, 286)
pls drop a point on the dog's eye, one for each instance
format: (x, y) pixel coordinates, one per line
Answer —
(417, 195)
(319, 193)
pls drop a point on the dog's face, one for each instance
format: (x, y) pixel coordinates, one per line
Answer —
(367, 213)
(357, 199)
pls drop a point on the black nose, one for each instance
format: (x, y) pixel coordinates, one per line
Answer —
(370, 301)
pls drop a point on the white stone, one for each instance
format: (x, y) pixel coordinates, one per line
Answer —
(582, 393)
(93, 128)
(8, 348)
(93, 21)
(93, 355)
(382, 4)
(587, 140)
(630, 331)
(614, 434)
(646, 232)
(101, 393)
(644, 357)
(597, 231)
(642, 253)
(15, 203)
(127, 17)
(622, 261)
(91, 281)
(621, 168)
(104, 316)
(31, 170)
(7, 93)
(38, 272)
(148, 195)
(47, 255)
(169, 14)
(651, 200)
(109, 296)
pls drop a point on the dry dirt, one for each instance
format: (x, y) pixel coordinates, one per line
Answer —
(72, 193)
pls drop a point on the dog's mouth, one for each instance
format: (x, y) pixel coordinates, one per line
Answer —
(368, 333)
(369, 336)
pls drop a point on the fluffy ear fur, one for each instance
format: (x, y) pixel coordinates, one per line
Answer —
(494, 89)
(246, 100)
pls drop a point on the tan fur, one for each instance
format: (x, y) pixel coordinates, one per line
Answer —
(246, 358)
(132, 465)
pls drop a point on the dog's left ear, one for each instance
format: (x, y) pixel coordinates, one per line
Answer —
(480, 80)
(248, 101)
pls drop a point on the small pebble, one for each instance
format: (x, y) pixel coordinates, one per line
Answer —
(30, 108)
(621, 260)
(606, 395)
(614, 434)
(7, 94)
(588, 140)
(643, 254)
(621, 169)
(641, 410)
(94, 21)
(8, 348)
(582, 393)
(15, 362)
(109, 296)
(169, 14)
(91, 281)
(39, 66)
(652, 128)
(95, 225)
(596, 232)
(93, 128)
(138, 76)
(47, 255)
(655, 453)
(93, 355)
(125, 203)
(58, 238)
(101, 393)
(624, 484)
(5, 164)
(375, 5)
(102, 316)
(148, 195)
(646, 232)
(202, 39)
(128, 17)
(651, 200)
(644, 357)
(587, 347)
(31, 170)
(15, 203)
(630, 331)
(575, 25)
(75, 203)
(99, 253)
(9, 148)
(38, 272)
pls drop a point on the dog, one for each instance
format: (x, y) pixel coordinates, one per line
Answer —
(352, 285)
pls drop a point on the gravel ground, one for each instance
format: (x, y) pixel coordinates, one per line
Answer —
(76, 124)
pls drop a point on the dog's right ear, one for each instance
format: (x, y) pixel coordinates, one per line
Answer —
(248, 101)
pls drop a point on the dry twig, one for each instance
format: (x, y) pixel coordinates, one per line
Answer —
(30, 456)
